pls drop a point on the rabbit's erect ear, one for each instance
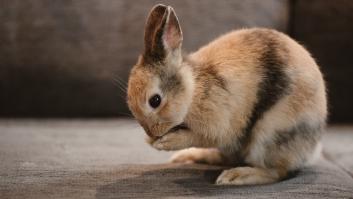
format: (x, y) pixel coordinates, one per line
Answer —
(173, 35)
(163, 34)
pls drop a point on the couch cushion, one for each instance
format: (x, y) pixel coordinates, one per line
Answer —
(109, 159)
(197, 181)
(169, 181)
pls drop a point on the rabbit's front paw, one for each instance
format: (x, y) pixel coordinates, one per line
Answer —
(198, 155)
(172, 141)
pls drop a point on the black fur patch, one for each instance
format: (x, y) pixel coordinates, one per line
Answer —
(303, 131)
(170, 82)
(303, 135)
(274, 85)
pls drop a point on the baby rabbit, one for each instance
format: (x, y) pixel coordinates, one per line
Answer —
(253, 98)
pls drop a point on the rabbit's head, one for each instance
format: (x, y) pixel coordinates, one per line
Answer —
(160, 85)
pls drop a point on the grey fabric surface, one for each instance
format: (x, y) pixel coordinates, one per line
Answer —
(109, 159)
(339, 147)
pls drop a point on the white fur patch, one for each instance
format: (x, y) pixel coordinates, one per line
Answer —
(317, 153)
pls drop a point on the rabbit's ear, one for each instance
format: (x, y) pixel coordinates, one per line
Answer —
(173, 35)
(163, 34)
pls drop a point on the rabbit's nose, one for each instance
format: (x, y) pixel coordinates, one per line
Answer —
(149, 133)
(147, 130)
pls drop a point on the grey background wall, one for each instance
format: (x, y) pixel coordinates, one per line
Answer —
(60, 58)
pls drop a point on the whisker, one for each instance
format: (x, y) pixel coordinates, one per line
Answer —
(120, 81)
(125, 114)
(121, 85)
(123, 90)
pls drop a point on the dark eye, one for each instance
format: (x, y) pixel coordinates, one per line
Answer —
(155, 101)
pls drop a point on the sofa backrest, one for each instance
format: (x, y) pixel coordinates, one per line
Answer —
(63, 58)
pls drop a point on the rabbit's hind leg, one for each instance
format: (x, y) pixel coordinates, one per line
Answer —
(248, 176)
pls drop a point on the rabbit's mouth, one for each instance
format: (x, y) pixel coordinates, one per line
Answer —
(174, 129)
(178, 127)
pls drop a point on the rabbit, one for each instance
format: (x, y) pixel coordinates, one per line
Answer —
(253, 99)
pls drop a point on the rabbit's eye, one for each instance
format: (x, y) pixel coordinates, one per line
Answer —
(155, 101)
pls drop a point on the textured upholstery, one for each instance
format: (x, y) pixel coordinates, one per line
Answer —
(109, 159)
